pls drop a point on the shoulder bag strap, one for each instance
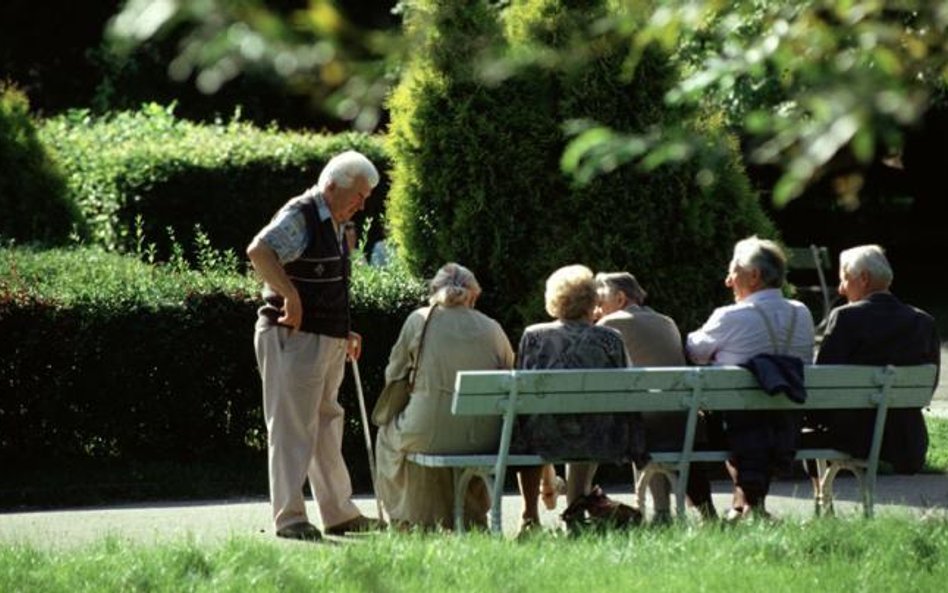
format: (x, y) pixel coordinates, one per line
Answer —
(421, 345)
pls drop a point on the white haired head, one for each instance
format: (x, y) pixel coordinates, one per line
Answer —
(763, 255)
(345, 168)
(870, 259)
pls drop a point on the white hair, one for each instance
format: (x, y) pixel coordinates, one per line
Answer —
(763, 255)
(866, 258)
(453, 285)
(345, 168)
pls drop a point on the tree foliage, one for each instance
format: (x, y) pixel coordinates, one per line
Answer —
(339, 54)
(810, 82)
(476, 174)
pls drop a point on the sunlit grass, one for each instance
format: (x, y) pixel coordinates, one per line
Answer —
(937, 458)
(891, 554)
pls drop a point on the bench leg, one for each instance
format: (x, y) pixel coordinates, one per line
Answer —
(645, 476)
(828, 477)
(827, 480)
(823, 488)
(462, 479)
(867, 483)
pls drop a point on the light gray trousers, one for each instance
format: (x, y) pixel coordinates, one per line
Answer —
(301, 375)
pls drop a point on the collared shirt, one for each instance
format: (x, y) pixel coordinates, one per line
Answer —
(287, 234)
(735, 333)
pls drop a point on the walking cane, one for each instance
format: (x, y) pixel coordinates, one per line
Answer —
(368, 434)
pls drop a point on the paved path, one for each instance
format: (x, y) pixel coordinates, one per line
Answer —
(215, 521)
(939, 405)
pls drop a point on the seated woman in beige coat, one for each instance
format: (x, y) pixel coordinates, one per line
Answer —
(457, 338)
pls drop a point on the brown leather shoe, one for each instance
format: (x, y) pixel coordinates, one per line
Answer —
(302, 531)
(358, 524)
(602, 511)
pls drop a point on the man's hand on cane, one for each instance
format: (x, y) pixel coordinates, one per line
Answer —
(354, 346)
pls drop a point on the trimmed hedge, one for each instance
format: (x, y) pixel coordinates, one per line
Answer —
(33, 204)
(228, 178)
(108, 360)
(476, 175)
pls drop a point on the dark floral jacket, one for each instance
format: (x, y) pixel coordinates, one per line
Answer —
(577, 345)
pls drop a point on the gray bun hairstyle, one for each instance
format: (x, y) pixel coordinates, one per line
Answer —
(453, 285)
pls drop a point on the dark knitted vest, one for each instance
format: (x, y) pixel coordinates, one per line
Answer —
(321, 275)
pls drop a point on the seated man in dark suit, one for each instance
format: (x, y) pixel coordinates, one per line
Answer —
(875, 328)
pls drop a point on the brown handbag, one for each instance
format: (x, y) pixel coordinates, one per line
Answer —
(395, 395)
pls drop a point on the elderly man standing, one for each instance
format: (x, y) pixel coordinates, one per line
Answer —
(302, 339)
(876, 328)
(652, 339)
(760, 321)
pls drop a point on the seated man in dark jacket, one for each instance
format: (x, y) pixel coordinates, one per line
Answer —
(875, 328)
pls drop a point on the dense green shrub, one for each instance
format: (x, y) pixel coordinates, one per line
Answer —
(229, 178)
(106, 359)
(33, 203)
(476, 173)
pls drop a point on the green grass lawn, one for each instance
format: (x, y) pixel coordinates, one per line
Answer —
(892, 554)
(937, 458)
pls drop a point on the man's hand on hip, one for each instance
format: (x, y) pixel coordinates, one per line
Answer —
(292, 311)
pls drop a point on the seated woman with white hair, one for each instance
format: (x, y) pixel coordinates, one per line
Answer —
(574, 341)
(457, 338)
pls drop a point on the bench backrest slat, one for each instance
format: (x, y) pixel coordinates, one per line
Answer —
(670, 388)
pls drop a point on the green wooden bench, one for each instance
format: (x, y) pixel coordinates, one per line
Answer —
(685, 389)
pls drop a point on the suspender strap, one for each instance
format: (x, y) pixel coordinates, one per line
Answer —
(788, 340)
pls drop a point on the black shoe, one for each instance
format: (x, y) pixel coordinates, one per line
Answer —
(304, 531)
(358, 524)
